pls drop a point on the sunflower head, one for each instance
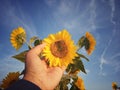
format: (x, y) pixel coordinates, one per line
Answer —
(114, 85)
(80, 83)
(11, 78)
(90, 43)
(59, 49)
(18, 37)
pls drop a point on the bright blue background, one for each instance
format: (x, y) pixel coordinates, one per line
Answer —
(42, 17)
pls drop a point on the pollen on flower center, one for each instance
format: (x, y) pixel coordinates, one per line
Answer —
(59, 49)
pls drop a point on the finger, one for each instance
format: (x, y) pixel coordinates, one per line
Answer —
(37, 50)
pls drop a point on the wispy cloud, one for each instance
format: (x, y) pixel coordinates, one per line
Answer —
(16, 17)
(9, 64)
(112, 4)
(93, 14)
(88, 71)
(50, 2)
(102, 58)
(115, 63)
(72, 16)
(104, 61)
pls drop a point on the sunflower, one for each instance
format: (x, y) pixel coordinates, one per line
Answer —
(11, 78)
(18, 37)
(114, 85)
(59, 49)
(90, 46)
(80, 83)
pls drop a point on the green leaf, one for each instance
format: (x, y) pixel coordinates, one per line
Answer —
(37, 42)
(79, 64)
(76, 66)
(82, 56)
(33, 39)
(20, 56)
(65, 80)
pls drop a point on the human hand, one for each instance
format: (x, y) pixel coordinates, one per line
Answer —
(39, 73)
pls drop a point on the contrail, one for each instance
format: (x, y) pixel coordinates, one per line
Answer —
(9, 13)
(117, 55)
(29, 26)
(102, 59)
(93, 14)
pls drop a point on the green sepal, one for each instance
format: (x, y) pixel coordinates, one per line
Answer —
(81, 42)
(37, 42)
(20, 56)
(33, 39)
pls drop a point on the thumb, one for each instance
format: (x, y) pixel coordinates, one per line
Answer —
(37, 50)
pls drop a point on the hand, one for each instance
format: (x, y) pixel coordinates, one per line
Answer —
(39, 73)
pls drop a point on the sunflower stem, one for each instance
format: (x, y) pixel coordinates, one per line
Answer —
(27, 43)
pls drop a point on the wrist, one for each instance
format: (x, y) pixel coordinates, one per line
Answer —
(32, 78)
(37, 81)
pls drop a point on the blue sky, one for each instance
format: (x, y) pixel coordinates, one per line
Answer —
(42, 17)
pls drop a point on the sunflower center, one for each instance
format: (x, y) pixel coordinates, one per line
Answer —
(20, 38)
(59, 49)
(87, 44)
